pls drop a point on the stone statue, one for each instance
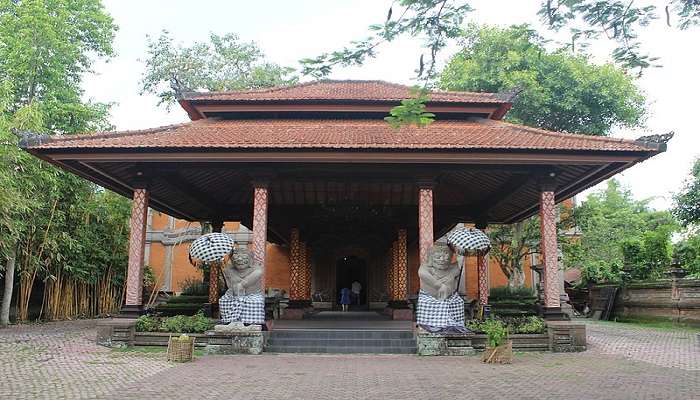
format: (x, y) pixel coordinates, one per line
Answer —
(243, 302)
(440, 307)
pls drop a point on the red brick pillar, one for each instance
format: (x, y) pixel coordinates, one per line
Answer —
(425, 220)
(482, 261)
(137, 248)
(307, 273)
(401, 267)
(295, 266)
(260, 225)
(217, 226)
(549, 249)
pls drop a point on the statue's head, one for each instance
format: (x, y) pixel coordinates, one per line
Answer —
(440, 256)
(241, 259)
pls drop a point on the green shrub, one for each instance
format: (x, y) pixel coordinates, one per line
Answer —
(197, 323)
(509, 293)
(532, 324)
(529, 324)
(194, 287)
(496, 331)
(188, 299)
(146, 323)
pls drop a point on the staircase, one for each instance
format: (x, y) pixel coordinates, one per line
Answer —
(341, 341)
(343, 333)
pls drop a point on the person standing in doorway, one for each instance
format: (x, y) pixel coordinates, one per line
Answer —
(345, 298)
(356, 290)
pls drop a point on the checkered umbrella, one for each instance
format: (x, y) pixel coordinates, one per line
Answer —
(468, 240)
(210, 247)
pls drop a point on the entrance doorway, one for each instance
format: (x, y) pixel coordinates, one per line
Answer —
(348, 270)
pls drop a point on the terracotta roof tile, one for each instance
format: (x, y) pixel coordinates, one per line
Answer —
(340, 134)
(329, 90)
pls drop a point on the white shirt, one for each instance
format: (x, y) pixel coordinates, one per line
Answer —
(356, 287)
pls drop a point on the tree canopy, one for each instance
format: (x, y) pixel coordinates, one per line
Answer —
(556, 90)
(687, 207)
(617, 231)
(223, 63)
(62, 229)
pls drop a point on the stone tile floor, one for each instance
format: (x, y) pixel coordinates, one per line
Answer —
(60, 361)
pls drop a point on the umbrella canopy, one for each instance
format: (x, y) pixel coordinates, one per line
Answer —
(468, 240)
(212, 247)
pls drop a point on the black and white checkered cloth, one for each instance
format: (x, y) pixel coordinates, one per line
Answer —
(211, 247)
(468, 240)
(440, 313)
(249, 309)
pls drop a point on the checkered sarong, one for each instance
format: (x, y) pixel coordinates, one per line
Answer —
(440, 313)
(249, 309)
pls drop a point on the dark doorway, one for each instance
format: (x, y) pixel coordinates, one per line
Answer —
(348, 270)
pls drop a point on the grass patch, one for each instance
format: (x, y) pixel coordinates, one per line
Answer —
(151, 350)
(656, 323)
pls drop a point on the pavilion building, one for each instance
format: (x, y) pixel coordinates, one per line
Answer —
(314, 170)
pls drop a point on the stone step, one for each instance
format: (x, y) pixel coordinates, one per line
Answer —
(340, 334)
(278, 342)
(341, 350)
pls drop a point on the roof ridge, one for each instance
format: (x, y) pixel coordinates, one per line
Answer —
(128, 132)
(580, 136)
(321, 81)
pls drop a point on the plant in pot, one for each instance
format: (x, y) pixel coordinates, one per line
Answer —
(498, 349)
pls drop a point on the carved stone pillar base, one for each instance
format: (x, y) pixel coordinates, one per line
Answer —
(296, 309)
(399, 310)
(554, 314)
(130, 311)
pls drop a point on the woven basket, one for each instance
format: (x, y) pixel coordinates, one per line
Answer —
(502, 354)
(180, 350)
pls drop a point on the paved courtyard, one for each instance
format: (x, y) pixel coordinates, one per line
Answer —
(60, 361)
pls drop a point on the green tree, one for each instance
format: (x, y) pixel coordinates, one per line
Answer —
(688, 253)
(223, 63)
(687, 207)
(617, 231)
(556, 90)
(46, 46)
(438, 22)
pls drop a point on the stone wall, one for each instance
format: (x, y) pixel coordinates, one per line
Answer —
(677, 301)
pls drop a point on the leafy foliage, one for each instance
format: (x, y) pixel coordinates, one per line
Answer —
(194, 287)
(71, 234)
(555, 90)
(619, 21)
(411, 112)
(513, 325)
(496, 331)
(197, 323)
(434, 21)
(511, 293)
(687, 207)
(223, 63)
(617, 230)
(688, 253)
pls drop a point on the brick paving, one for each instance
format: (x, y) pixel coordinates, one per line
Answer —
(60, 360)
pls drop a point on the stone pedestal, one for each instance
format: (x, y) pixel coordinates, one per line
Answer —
(118, 332)
(246, 340)
(296, 309)
(566, 336)
(441, 344)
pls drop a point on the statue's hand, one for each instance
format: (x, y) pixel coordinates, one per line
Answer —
(443, 292)
(239, 290)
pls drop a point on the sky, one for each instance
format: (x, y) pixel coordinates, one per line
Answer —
(287, 31)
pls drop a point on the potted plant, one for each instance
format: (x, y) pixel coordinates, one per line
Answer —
(181, 348)
(499, 349)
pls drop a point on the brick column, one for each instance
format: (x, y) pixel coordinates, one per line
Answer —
(395, 294)
(425, 220)
(137, 248)
(217, 226)
(260, 225)
(401, 267)
(295, 267)
(307, 273)
(548, 249)
(482, 262)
